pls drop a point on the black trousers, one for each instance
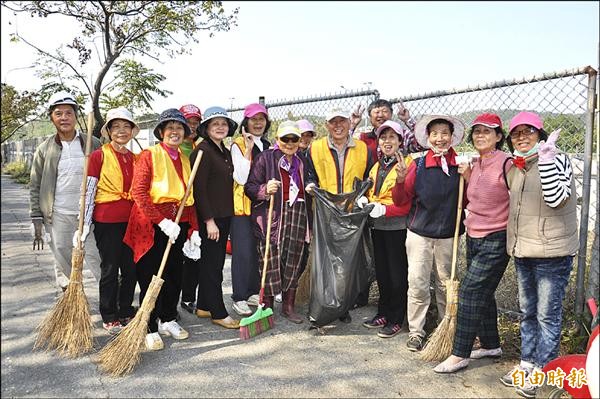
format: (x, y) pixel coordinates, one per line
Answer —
(210, 277)
(189, 284)
(116, 291)
(391, 270)
(245, 274)
(148, 265)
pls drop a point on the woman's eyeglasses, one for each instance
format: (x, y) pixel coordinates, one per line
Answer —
(528, 131)
(289, 139)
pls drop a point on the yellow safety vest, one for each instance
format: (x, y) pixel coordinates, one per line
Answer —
(241, 203)
(355, 165)
(385, 193)
(110, 183)
(165, 178)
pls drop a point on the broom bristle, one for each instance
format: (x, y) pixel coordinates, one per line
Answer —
(259, 322)
(303, 291)
(123, 353)
(68, 326)
(439, 344)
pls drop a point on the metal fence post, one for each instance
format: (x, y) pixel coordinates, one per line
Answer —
(587, 176)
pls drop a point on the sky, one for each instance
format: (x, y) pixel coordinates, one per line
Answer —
(285, 50)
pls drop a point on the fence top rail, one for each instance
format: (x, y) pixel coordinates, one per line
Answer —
(587, 70)
(335, 96)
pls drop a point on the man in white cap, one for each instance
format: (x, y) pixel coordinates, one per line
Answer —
(337, 159)
(55, 186)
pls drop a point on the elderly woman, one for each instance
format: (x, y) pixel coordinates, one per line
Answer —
(109, 204)
(430, 184)
(214, 206)
(159, 183)
(244, 258)
(308, 134)
(486, 222)
(542, 237)
(279, 174)
(388, 233)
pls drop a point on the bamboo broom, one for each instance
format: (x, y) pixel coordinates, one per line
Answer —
(68, 326)
(123, 353)
(439, 345)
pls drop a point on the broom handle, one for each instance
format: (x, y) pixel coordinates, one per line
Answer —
(86, 161)
(188, 189)
(267, 246)
(461, 187)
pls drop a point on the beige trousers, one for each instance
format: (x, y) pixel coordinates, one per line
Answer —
(423, 253)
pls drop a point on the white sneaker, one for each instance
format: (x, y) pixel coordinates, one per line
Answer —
(278, 298)
(173, 329)
(253, 300)
(481, 353)
(241, 308)
(154, 342)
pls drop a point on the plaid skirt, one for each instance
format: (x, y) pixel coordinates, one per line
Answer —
(284, 261)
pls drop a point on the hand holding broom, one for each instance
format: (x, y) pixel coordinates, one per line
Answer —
(122, 354)
(439, 345)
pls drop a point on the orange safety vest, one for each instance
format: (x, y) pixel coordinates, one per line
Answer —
(241, 203)
(385, 193)
(164, 186)
(355, 165)
(110, 183)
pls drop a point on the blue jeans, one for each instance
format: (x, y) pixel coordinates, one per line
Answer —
(542, 283)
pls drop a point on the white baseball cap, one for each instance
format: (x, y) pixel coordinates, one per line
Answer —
(62, 97)
(337, 112)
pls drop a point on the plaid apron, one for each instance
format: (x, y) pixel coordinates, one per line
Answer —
(285, 257)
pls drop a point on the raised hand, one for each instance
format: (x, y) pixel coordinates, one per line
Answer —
(547, 149)
(356, 116)
(403, 113)
(400, 168)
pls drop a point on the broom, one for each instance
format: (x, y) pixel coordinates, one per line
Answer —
(68, 326)
(123, 353)
(303, 292)
(439, 345)
(262, 319)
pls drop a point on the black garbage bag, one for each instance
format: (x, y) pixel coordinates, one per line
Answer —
(342, 259)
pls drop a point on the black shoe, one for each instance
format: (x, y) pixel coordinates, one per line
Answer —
(188, 306)
(414, 343)
(390, 330)
(376, 322)
(346, 318)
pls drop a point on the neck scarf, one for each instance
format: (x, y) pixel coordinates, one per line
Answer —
(293, 169)
(173, 152)
(521, 157)
(442, 155)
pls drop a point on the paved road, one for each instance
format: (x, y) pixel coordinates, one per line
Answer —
(287, 361)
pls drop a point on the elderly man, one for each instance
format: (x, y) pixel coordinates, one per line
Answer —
(55, 186)
(337, 159)
(380, 111)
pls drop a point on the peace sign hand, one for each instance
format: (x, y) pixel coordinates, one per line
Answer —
(400, 168)
(356, 116)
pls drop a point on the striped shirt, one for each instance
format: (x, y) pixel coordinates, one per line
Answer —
(556, 180)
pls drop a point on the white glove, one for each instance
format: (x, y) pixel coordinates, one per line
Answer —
(84, 234)
(362, 201)
(378, 210)
(170, 228)
(310, 187)
(191, 248)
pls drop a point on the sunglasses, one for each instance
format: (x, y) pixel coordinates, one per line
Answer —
(289, 139)
(528, 131)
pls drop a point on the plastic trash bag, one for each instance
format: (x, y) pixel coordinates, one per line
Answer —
(342, 260)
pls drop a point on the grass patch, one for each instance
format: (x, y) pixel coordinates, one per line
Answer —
(18, 170)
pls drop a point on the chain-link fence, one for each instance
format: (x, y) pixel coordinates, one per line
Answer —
(564, 100)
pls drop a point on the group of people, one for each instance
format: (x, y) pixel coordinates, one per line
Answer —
(519, 204)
